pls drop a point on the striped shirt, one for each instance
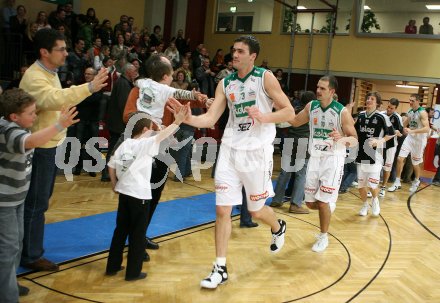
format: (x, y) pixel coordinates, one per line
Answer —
(15, 164)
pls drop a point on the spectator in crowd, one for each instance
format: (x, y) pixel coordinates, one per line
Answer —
(411, 28)
(205, 77)
(97, 61)
(105, 33)
(426, 28)
(28, 43)
(92, 20)
(264, 64)
(218, 62)
(228, 56)
(95, 50)
(85, 31)
(6, 13)
(118, 27)
(282, 81)
(172, 53)
(16, 82)
(182, 43)
(156, 36)
(88, 127)
(42, 21)
(18, 23)
(224, 72)
(77, 61)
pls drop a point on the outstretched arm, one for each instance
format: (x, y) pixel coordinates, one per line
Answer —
(302, 117)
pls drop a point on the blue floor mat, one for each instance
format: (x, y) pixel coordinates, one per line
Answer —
(72, 239)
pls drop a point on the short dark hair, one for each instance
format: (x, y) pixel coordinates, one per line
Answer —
(417, 96)
(46, 38)
(377, 96)
(14, 101)
(332, 81)
(394, 101)
(140, 124)
(251, 41)
(156, 68)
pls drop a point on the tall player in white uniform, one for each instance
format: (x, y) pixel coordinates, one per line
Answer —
(329, 121)
(246, 152)
(416, 127)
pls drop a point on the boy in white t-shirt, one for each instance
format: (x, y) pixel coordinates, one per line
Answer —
(155, 91)
(130, 172)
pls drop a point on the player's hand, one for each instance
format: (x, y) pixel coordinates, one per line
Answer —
(99, 81)
(209, 102)
(199, 96)
(398, 133)
(375, 142)
(182, 114)
(335, 135)
(67, 116)
(173, 105)
(254, 113)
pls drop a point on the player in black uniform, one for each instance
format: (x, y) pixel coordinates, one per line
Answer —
(391, 145)
(373, 129)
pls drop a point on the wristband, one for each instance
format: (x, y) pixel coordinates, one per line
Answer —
(59, 127)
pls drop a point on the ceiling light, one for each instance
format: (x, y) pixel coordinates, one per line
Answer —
(366, 7)
(301, 7)
(406, 86)
(250, 0)
(233, 9)
(433, 7)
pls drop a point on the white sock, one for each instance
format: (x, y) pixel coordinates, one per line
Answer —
(324, 235)
(220, 261)
(397, 180)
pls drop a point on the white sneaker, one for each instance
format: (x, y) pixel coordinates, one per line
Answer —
(364, 210)
(394, 187)
(414, 186)
(382, 192)
(369, 195)
(218, 275)
(354, 184)
(321, 244)
(375, 207)
(278, 238)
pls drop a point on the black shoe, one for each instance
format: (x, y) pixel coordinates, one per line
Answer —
(112, 273)
(92, 174)
(142, 275)
(146, 257)
(342, 191)
(248, 225)
(149, 244)
(77, 171)
(22, 290)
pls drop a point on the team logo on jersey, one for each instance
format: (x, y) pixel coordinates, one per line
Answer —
(240, 109)
(374, 121)
(320, 133)
(252, 94)
(232, 97)
(147, 97)
(331, 124)
(368, 130)
(258, 197)
(242, 127)
(231, 86)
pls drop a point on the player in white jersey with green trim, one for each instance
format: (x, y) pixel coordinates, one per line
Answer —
(416, 127)
(331, 131)
(245, 157)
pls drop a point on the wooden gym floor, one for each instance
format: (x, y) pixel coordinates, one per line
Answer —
(391, 258)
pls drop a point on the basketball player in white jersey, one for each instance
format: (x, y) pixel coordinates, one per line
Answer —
(416, 127)
(246, 151)
(329, 122)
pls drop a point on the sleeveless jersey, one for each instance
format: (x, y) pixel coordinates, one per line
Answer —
(242, 132)
(373, 125)
(396, 122)
(322, 122)
(415, 122)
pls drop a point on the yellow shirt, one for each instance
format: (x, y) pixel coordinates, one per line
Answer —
(45, 87)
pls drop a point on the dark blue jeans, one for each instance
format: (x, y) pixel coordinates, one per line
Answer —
(350, 175)
(245, 216)
(37, 202)
(184, 153)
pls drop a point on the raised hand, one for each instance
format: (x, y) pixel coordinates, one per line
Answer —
(67, 116)
(99, 81)
(254, 113)
(173, 105)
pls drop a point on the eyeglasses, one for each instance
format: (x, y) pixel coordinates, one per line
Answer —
(61, 49)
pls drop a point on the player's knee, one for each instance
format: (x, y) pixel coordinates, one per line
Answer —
(311, 205)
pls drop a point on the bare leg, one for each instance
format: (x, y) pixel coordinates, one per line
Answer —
(312, 205)
(399, 166)
(374, 192)
(268, 217)
(223, 229)
(417, 171)
(386, 176)
(363, 193)
(324, 216)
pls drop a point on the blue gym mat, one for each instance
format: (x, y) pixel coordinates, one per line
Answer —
(72, 239)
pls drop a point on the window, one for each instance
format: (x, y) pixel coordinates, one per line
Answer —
(244, 16)
(403, 18)
(322, 17)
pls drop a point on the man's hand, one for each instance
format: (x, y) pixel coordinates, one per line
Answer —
(398, 133)
(67, 117)
(335, 135)
(375, 142)
(254, 113)
(99, 81)
(209, 102)
(199, 96)
(182, 114)
(173, 105)
(406, 131)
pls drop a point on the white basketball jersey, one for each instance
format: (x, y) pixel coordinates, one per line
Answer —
(415, 122)
(322, 122)
(242, 132)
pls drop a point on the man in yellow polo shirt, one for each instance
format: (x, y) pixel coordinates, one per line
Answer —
(42, 82)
